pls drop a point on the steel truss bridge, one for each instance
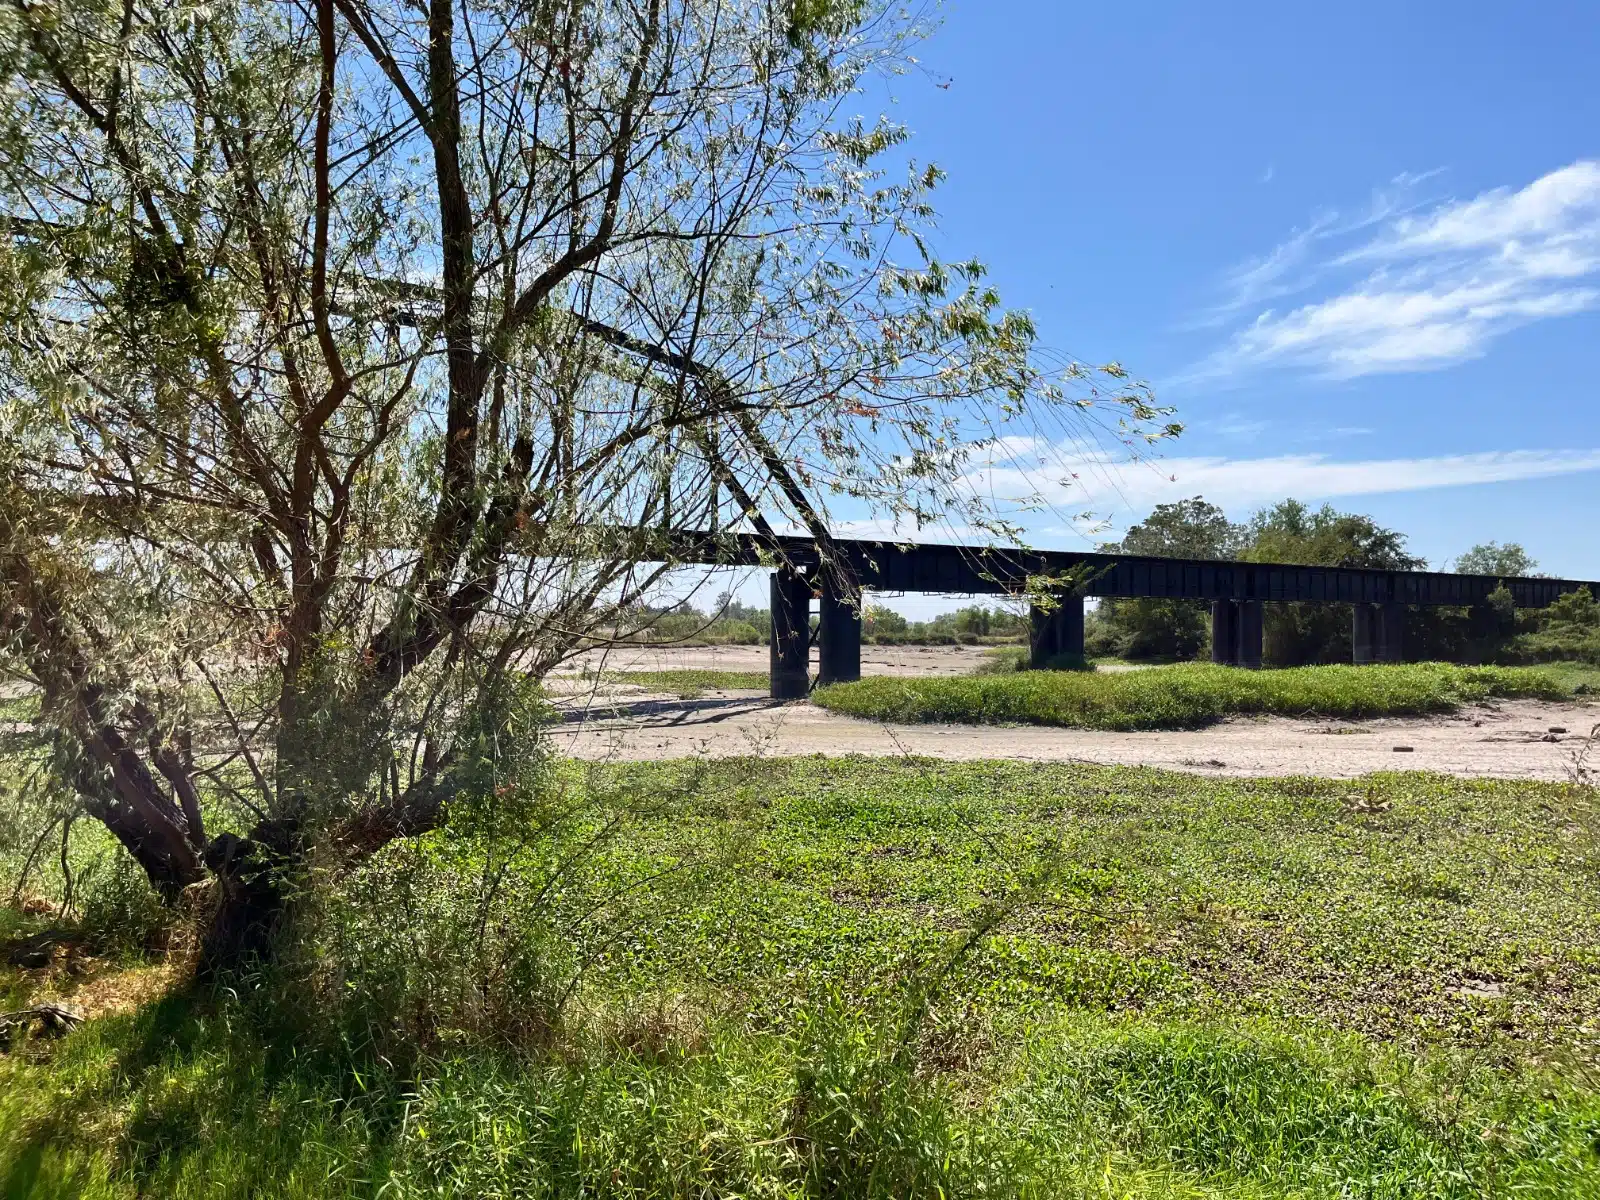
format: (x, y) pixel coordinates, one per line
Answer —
(836, 571)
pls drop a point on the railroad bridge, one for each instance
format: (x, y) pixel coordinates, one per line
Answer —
(836, 571)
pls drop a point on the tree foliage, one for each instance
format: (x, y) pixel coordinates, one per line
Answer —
(1287, 532)
(1156, 627)
(355, 353)
(1293, 532)
(1491, 558)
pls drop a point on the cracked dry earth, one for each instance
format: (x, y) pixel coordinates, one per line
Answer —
(1500, 739)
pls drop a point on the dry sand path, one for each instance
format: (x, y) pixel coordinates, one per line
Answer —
(875, 660)
(1508, 740)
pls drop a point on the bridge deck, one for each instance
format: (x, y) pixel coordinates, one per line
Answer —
(924, 567)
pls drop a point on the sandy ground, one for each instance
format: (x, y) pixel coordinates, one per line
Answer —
(1508, 740)
(875, 660)
(1501, 739)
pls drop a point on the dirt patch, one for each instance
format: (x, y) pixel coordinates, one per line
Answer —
(1502, 740)
(875, 660)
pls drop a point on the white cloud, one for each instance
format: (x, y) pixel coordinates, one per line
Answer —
(1293, 266)
(1239, 484)
(1265, 278)
(1434, 286)
(1237, 426)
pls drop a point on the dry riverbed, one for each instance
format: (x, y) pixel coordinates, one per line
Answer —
(1515, 739)
(875, 660)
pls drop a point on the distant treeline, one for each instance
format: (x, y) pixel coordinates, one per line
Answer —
(1304, 634)
(727, 622)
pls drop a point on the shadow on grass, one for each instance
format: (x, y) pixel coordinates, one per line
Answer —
(680, 712)
(196, 1093)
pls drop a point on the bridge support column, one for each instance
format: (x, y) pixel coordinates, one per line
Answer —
(839, 634)
(1056, 634)
(1363, 634)
(1250, 623)
(1236, 633)
(1391, 628)
(789, 644)
(1224, 632)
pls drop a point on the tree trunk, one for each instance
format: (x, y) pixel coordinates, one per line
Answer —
(258, 878)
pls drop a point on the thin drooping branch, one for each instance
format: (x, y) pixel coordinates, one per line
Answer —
(365, 351)
(723, 404)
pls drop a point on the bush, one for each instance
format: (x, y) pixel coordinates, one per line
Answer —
(1182, 697)
(119, 911)
(1004, 660)
(733, 633)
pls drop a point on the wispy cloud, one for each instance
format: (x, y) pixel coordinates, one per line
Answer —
(1240, 484)
(1236, 426)
(1298, 262)
(1268, 276)
(1404, 287)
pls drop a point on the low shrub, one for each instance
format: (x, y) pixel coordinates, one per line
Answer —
(119, 911)
(1003, 660)
(1183, 697)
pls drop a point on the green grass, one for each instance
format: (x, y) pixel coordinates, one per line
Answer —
(1582, 679)
(1200, 987)
(1003, 660)
(1185, 697)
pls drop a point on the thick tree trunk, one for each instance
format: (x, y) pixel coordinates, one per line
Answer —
(257, 878)
(117, 784)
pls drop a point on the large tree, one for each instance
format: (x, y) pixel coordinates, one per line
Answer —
(356, 352)
(1491, 558)
(1163, 628)
(1291, 531)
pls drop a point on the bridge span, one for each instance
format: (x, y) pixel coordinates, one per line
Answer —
(836, 571)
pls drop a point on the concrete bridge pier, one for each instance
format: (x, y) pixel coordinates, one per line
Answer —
(1377, 633)
(789, 644)
(839, 633)
(1236, 633)
(1056, 633)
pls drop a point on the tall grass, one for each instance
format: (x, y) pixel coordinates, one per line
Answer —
(195, 1098)
(1184, 697)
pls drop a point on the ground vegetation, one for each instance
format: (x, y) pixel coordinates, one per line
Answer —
(1184, 696)
(882, 978)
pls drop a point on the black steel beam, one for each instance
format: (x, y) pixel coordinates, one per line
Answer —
(907, 567)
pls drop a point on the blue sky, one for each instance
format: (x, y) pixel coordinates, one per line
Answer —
(1357, 245)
